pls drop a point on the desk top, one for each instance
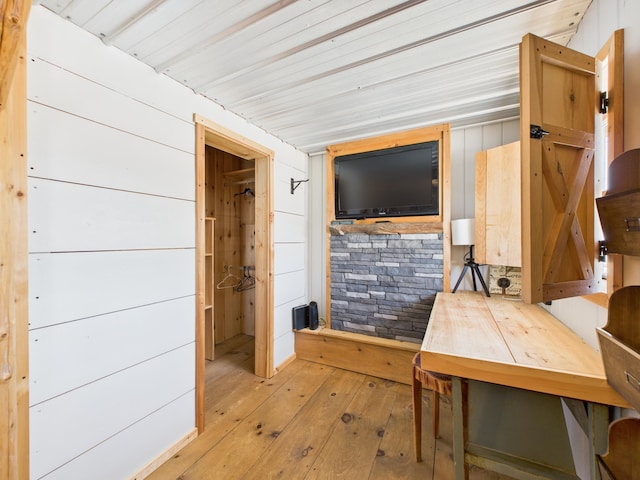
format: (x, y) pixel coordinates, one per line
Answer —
(512, 343)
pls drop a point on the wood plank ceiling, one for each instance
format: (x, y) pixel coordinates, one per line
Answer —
(318, 72)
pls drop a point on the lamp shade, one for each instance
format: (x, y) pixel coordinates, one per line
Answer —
(463, 231)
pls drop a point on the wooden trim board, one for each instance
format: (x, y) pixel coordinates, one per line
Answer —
(613, 52)
(222, 138)
(164, 456)
(286, 362)
(200, 275)
(214, 135)
(13, 29)
(14, 318)
(379, 357)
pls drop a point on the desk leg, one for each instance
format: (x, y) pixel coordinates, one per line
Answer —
(458, 407)
(594, 422)
(598, 435)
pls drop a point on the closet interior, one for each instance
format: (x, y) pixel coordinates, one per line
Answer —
(229, 247)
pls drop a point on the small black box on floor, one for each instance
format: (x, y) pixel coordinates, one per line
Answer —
(300, 316)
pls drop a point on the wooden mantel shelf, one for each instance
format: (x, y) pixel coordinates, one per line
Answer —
(386, 228)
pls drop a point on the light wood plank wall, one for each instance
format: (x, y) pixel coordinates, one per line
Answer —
(234, 243)
(112, 253)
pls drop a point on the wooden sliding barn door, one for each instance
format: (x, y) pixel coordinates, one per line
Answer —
(558, 107)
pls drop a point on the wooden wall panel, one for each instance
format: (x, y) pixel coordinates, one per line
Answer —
(59, 353)
(247, 206)
(105, 219)
(498, 219)
(14, 360)
(141, 391)
(65, 287)
(134, 446)
(288, 287)
(83, 151)
(106, 106)
(233, 207)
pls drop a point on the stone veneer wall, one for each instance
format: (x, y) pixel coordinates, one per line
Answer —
(385, 285)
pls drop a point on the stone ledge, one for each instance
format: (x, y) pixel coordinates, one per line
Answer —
(386, 228)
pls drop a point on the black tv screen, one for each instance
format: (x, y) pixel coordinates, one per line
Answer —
(392, 182)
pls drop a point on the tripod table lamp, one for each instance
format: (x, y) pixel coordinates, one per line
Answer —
(463, 232)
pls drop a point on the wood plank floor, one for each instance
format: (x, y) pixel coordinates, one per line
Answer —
(309, 422)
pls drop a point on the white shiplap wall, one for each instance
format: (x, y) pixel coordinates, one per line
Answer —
(112, 253)
(290, 270)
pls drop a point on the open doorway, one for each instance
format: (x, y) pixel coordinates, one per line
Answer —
(234, 248)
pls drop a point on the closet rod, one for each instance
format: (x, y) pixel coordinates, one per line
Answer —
(241, 267)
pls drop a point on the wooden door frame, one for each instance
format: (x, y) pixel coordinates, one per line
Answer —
(613, 51)
(14, 318)
(211, 134)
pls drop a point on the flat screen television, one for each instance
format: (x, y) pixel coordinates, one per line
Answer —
(392, 182)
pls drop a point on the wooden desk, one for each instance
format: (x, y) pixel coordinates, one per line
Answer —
(493, 342)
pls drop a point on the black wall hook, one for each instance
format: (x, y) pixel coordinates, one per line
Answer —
(296, 183)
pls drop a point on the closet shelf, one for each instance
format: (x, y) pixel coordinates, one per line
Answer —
(239, 177)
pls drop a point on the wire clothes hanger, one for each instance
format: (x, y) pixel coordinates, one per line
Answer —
(247, 282)
(229, 281)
